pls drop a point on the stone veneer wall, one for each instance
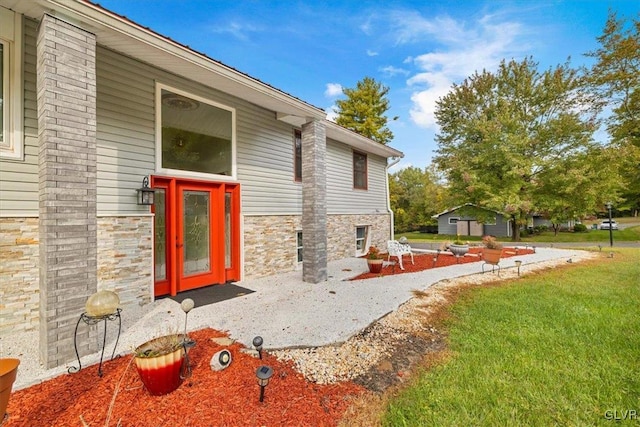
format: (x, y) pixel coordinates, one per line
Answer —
(125, 250)
(19, 275)
(270, 245)
(125, 258)
(340, 226)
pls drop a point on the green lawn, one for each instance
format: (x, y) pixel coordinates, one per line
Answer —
(559, 348)
(626, 235)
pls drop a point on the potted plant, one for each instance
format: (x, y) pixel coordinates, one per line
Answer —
(459, 247)
(374, 260)
(492, 250)
(8, 371)
(159, 363)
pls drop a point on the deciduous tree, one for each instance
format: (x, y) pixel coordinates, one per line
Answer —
(505, 136)
(615, 78)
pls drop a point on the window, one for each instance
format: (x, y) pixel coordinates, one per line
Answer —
(299, 245)
(197, 136)
(359, 171)
(11, 112)
(362, 235)
(454, 220)
(297, 148)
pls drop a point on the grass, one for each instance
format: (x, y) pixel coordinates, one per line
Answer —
(559, 348)
(627, 235)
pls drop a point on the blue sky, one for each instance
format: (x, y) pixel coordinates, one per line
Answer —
(312, 49)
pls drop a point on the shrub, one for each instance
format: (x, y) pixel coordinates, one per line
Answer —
(579, 228)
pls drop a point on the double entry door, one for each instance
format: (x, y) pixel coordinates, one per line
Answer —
(196, 230)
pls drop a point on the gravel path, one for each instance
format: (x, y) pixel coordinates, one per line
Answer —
(379, 344)
(331, 329)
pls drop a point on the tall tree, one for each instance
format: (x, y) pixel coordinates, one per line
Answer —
(415, 196)
(506, 136)
(363, 111)
(616, 80)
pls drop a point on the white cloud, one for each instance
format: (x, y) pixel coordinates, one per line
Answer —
(333, 90)
(372, 52)
(460, 49)
(331, 113)
(391, 71)
(238, 30)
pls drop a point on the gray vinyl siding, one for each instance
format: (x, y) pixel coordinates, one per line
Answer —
(126, 140)
(443, 223)
(342, 198)
(19, 178)
(500, 229)
(126, 147)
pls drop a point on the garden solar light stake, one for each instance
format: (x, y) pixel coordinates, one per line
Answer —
(257, 343)
(185, 372)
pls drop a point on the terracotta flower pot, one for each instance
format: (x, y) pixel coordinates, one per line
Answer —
(160, 373)
(375, 265)
(8, 372)
(491, 256)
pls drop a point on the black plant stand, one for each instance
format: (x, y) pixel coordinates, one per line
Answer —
(93, 320)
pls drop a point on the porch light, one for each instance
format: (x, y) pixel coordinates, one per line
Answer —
(257, 343)
(263, 373)
(145, 194)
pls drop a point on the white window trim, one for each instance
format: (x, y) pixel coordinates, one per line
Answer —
(299, 247)
(367, 240)
(457, 218)
(11, 36)
(189, 174)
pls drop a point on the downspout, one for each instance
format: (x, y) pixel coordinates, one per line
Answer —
(386, 177)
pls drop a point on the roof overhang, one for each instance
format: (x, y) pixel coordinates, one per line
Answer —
(120, 34)
(359, 142)
(125, 36)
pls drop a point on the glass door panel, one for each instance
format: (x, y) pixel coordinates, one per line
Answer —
(196, 231)
(160, 235)
(227, 230)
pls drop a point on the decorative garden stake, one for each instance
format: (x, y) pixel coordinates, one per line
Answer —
(263, 373)
(257, 343)
(185, 372)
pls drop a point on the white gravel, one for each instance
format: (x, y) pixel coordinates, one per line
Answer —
(317, 324)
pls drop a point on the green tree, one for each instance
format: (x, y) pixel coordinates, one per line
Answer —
(615, 78)
(363, 111)
(415, 196)
(507, 137)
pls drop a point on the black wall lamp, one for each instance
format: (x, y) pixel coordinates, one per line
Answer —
(145, 194)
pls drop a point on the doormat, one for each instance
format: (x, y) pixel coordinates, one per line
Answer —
(211, 294)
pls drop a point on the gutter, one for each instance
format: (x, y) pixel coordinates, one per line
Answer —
(386, 178)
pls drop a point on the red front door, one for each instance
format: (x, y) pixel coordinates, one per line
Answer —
(196, 234)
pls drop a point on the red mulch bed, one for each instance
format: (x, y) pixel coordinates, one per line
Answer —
(425, 262)
(208, 398)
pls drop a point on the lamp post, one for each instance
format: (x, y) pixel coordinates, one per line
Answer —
(609, 205)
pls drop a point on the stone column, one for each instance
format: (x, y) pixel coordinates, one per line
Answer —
(66, 100)
(314, 202)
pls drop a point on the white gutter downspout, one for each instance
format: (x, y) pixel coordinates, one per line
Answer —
(389, 166)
